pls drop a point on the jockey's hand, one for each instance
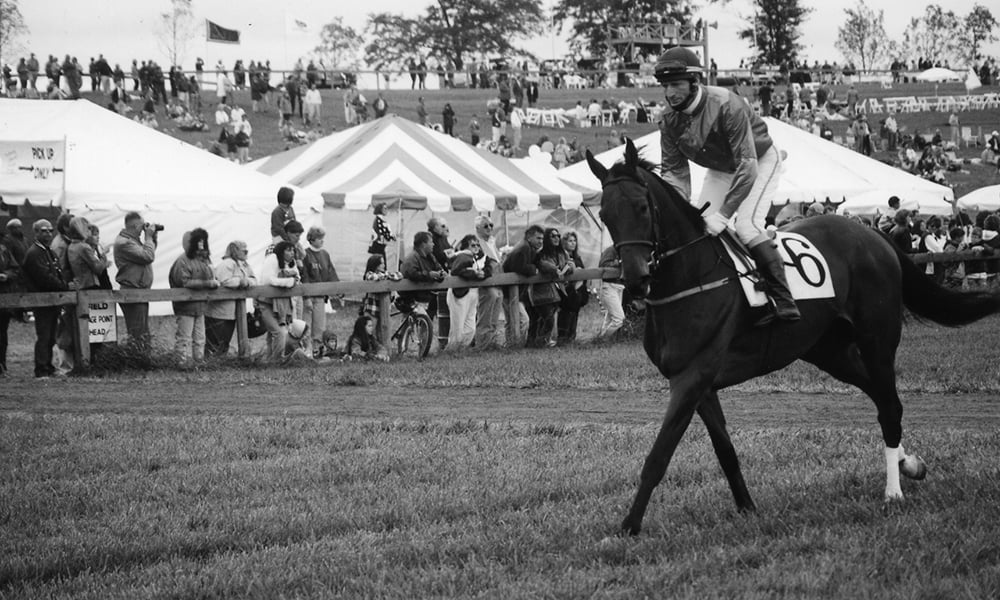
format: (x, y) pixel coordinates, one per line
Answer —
(715, 223)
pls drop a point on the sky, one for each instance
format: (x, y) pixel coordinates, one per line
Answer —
(125, 29)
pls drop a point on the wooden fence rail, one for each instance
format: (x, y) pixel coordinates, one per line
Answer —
(82, 299)
(383, 289)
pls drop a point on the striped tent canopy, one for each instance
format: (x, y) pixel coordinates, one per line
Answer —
(402, 164)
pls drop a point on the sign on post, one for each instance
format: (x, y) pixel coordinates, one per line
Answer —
(33, 171)
(103, 322)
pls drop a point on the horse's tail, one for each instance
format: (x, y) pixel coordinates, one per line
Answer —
(929, 300)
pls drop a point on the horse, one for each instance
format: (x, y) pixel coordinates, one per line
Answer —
(700, 330)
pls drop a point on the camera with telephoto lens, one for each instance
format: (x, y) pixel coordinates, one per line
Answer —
(157, 227)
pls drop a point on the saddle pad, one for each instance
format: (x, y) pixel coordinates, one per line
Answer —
(806, 270)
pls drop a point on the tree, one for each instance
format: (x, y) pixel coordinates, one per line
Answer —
(339, 45)
(862, 38)
(176, 29)
(934, 37)
(774, 30)
(591, 18)
(12, 28)
(454, 29)
(976, 32)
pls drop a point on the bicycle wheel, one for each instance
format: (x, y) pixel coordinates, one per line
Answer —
(415, 337)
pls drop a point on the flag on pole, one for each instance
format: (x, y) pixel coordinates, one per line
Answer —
(295, 25)
(216, 33)
(972, 81)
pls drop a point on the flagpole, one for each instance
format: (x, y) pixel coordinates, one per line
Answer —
(284, 36)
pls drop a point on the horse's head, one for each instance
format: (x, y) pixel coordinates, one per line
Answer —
(626, 209)
(646, 217)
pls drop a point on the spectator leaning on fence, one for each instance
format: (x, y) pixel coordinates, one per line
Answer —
(520, 260)
(489, 305)
(233, 272)
(468, 263)
(10, 282)
(279, 270)
(316, 268)
(192, 270)
(41, 273)
(134, 251)
(420, 266)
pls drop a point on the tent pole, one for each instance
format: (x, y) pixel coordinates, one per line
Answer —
(399, 238)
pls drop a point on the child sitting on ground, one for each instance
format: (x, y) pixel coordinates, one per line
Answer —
(362, 344)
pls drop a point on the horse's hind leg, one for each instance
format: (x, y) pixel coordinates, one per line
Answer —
(711, 413)
(872, 370)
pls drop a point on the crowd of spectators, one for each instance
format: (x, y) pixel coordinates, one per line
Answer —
(70, 256)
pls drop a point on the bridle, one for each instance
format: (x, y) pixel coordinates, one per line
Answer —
(660, 249)
(659, 246)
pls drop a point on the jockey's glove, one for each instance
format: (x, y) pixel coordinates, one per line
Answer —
(715, 223)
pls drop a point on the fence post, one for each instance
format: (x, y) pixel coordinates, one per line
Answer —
(81, 336)
(383, 319)
(242, 337)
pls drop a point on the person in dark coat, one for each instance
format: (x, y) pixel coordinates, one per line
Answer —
(42, 274)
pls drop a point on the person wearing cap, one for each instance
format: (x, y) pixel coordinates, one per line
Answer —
(716, 129)
(15, 240)
(134, 251)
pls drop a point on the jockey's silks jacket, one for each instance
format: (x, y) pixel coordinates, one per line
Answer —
(718, 131)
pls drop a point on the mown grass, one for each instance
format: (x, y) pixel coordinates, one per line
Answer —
(222, 507)
(215, 500)
(931, 359)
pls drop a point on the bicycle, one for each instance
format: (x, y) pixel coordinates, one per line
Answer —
(413, 336)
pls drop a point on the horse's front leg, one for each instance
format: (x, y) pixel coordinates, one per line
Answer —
(685, 394)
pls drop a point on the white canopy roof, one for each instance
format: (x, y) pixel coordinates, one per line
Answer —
(114, 165)
(814, 170)
(396, 161)
(985, 198)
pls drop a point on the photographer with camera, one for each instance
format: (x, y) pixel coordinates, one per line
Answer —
(134, 252)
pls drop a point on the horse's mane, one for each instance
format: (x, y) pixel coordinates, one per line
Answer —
(652, 170)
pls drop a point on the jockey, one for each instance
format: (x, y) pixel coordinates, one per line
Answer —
(718, 130)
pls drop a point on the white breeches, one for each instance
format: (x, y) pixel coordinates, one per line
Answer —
(752, 212)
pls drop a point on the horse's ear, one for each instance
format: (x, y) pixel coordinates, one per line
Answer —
(599, 170)
(631, 154)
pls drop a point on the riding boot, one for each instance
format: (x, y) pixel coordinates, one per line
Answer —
(772, 268)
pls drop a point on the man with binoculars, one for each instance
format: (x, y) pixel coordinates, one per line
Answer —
(134, 258)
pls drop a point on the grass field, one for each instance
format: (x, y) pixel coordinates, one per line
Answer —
(494, 475)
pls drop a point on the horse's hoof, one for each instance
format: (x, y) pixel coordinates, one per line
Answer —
(629, 528)
(913, 467)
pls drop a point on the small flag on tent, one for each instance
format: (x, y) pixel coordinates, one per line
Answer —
(295, 25)
(972, 81)
(217, 33)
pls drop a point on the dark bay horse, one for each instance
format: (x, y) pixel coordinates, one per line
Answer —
(700, 328)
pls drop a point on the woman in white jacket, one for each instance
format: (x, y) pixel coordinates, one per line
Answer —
(279, 270)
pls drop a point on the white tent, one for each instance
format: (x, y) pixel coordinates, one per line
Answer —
(814, 170)
(114, 165)
(985, 198)
(938, 74)
(871, 203)
(417, 172)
